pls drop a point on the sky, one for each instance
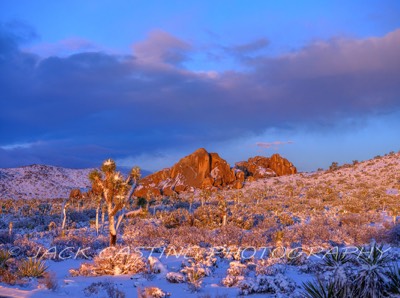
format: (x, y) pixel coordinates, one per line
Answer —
(148, 82)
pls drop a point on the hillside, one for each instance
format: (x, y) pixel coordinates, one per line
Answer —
(41, 181)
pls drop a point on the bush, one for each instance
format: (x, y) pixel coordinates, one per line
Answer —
(4, 257)
(151, 292)
(32, 268)
(50, 281)
(112, 261)
(97, 287)
(76, 216)
(8, 277)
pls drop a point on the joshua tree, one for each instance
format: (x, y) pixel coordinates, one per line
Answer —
(115, 191)
(75, 197)
(96, 195)
(223, 208)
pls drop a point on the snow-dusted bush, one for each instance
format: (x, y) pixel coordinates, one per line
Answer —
(155, 266)
(50, 281)
(112, 261)
(176, 218)
(24, 247)
(152, 292)
(394, 234)
(175, 277)
(194, 273)
(270, 266)
(101, 287)
(9, 277)
(79, 216)
(278, 284)
(235, 273)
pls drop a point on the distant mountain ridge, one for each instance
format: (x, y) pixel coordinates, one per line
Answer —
(43, 181)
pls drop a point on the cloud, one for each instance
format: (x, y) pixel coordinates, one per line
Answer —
(63, 47)
(250, 47)
(275, 144)
(88, 106)
(161, 48)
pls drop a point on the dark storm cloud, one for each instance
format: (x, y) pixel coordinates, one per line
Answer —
(79, 109)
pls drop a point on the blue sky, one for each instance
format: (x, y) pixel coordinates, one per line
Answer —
(147, 82)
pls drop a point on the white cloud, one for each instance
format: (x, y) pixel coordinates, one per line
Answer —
(275, 144)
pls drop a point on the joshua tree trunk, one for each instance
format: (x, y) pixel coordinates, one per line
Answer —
(113, 232)
(64, 214)
(97, 219)
(103, 214)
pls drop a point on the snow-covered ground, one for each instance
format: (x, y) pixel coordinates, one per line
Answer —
(41, 181)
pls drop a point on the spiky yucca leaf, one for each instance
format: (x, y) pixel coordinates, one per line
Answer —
(32, 267)
(318, 289)
(336, 259)
(394, 279)
(372, 277)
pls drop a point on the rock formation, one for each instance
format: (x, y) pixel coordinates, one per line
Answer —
(202, 170)
(264, 167)
(197, 170)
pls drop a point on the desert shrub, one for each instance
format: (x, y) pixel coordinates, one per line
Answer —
(285, 219)
(23, 247)
(9, 277)
(176, 218)
(88, 244)
(4, 257)
(109, 288)
(3, 224)
(235, 273)
(50, 281)
(79, 216)
(36, 222)
(187, 235)
(113, 261)
(175, 277)
(194, 275)
(278, 284)
(394, 234)
(6, 238)
(145, 233)
(151, 292)
(207, 216)
(32, 267)
(228, 235)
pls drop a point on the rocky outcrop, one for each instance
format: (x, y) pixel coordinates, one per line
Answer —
(197, 170)
(264, 167)
(204, 170)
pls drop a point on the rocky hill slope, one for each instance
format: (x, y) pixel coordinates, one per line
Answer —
(41, 181)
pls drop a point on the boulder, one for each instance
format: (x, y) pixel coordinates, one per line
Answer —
(197, 170)
(265, 167)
